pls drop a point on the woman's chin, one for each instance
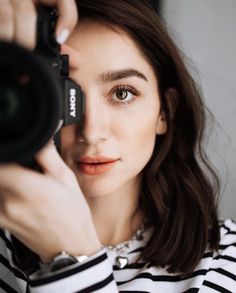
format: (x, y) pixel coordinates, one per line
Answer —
(97, 187)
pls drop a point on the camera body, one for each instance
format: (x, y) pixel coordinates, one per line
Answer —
(37, 96)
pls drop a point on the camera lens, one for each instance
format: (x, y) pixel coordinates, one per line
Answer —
(30, 103)
(9, 103)
(14, 102)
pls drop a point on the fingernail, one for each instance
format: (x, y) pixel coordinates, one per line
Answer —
(59, 126)
(63, 36)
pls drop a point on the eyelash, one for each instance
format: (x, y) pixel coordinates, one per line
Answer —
(124, 88)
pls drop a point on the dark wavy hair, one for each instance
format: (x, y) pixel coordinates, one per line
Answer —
(179, 187)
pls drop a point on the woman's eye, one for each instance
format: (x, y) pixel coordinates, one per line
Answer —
(124, 95)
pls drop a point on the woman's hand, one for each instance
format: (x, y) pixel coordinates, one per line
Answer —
(18, 20)
(47, 212)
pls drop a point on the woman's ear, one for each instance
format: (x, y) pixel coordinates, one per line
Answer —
(161, 124)
(172, 100)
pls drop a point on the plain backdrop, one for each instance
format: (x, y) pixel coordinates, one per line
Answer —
(205, 30)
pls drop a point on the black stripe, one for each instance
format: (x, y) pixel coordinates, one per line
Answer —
(225, 273)
(6, 240)
(6, 287)
(231, 233)
(216, 287)
(133, 291)
(98, 286)
(166, 278)
(191, 290)
(16, 272)
(224, 246)
(133, 266)
(225, 227)
(69, 272)
(222, 224)
(27, 289)
(5, 262)
(229, 258)
(140, 249)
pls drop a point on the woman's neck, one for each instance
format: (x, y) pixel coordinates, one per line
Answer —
(116, 217)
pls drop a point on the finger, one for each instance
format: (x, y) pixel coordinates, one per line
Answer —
(74, 56)
(67, 20)
(25, 23)
(52, 164)
(7, 205)
(6, 21)
(18, 180)
(68, 17)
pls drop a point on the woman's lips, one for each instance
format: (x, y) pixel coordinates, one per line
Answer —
(96, 165)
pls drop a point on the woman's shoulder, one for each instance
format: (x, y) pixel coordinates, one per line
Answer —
(221, 274)
(216, 271)
(227, 226)
(227, 239)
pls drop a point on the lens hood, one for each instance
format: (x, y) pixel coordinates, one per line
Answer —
(30, 103)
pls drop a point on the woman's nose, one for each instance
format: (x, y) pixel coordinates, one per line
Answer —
(95, 127)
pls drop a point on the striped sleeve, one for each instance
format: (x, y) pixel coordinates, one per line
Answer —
(11, 279)
(95, 274)
(221, 276)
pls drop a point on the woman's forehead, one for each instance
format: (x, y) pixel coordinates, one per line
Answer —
(109, 47)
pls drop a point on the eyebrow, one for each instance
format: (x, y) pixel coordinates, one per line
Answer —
(119, 74)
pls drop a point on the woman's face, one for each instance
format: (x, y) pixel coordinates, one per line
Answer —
(122, 113)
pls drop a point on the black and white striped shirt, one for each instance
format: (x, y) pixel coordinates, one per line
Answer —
(216, 272)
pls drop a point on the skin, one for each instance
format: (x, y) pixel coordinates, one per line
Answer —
(113, 128)
(18, 19)
(126, 132)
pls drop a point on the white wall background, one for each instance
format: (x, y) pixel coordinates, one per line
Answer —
(206, 31)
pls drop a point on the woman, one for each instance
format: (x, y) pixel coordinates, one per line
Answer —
(133, 209)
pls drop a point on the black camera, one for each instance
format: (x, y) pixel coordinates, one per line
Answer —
(36, 94)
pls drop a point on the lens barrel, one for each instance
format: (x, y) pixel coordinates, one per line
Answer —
(30, 103)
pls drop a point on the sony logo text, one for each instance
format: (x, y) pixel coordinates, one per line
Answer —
(73, 103)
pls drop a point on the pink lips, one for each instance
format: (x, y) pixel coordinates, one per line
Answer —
(96, 165)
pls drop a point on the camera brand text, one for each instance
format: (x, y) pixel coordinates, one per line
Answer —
(73, 103)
